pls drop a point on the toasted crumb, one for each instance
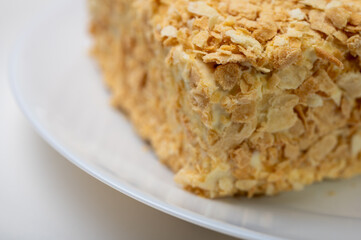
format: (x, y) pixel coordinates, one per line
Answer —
(328, 57)
(228, 75)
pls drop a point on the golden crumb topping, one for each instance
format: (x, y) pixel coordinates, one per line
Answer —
(263, 33)
(238, 96)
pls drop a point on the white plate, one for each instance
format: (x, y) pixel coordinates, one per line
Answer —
(60, 90)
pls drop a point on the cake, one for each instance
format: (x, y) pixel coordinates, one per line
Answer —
(238, 97)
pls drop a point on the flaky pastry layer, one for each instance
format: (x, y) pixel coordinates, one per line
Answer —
(238, 96)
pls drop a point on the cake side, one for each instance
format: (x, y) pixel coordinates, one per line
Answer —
(238, 100)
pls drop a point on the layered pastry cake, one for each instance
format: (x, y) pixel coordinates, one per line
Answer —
(238, 97)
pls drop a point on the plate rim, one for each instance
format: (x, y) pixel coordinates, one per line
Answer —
(48, 13)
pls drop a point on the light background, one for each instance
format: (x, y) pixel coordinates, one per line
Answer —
(42, 195)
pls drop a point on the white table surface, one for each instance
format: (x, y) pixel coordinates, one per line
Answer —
(42, 195)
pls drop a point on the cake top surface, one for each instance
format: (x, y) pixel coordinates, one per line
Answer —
(276, 45)
(267, 34)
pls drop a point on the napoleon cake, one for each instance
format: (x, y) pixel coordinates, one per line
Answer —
(238, 97)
